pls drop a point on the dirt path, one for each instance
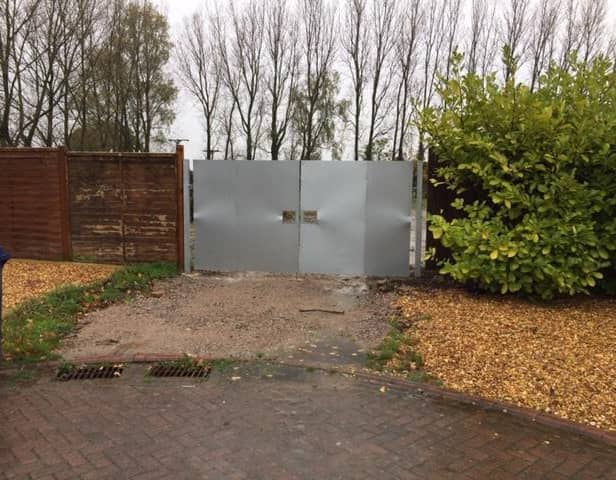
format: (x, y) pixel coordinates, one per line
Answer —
(243, 316)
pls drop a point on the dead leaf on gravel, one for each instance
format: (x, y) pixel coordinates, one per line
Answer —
(559, 358)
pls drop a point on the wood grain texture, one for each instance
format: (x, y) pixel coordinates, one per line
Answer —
(96, 206)
(123, 208)
(31, 216)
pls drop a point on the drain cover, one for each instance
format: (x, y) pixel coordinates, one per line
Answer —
(197, 371)
(88, 372)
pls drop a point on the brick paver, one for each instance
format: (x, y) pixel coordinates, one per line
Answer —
(272, 423)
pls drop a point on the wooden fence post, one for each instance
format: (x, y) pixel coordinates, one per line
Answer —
(440, 199)
(65, 204)
(179, 174)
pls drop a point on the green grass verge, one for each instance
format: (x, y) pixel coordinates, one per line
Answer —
(34, 329)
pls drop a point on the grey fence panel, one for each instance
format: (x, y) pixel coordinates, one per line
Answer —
(388, 218)
(239, 215)
(349, 218)
(334, 241)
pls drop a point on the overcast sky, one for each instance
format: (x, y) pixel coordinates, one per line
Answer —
(188, 123)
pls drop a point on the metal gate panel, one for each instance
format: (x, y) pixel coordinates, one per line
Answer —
(388, 218)
(239, 219)
(332, 230)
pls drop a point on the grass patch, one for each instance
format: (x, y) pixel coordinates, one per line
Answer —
(35, 328)
(222, 364)
(23, 376)
(397, 354)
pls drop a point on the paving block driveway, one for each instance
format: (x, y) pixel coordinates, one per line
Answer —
(263, 421)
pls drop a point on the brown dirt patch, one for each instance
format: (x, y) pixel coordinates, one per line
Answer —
(235, 315)
(559, 359)
(25, 279)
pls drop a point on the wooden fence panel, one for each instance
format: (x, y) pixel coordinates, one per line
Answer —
(33, 207)
(440, 199)
(150, 209)
(124, 207)
(95, 195)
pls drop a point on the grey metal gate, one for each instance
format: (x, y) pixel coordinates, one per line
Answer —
(310, 217)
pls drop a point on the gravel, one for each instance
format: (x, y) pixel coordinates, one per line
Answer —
(235, 315)
(559, 358)
(25, 279)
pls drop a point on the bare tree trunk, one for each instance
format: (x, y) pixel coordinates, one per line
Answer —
(407, 44)
(319, 49)
(198, 62)
(355, 40)
(592, 28)
(383, 37)
(542, 38)
(242, 64)
(282, 70)
(434, 40)
(15, 31)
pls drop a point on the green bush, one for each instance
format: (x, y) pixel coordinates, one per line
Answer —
(543, 165)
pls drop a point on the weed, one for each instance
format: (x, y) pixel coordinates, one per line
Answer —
(310, 369)
(397, 354)
(420, 376)
(65, 368)
(387, 350)
(35, 328)
(222, 364)
(23, 376)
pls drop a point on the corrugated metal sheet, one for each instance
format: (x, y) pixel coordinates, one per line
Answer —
(32, 203)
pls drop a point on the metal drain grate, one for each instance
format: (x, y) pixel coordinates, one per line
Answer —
(90, 372)
(179, 371)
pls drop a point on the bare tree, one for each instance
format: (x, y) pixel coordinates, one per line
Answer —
(74, 65)
(355, 43)
(542, 41)
(199, 64)
(16, 27)
(433, 44)
(592, 29)
(482, 42)
(452, 24)
(40, 79)
(282, 64)
(314, 101)
(584, 31)
(407, 44)
(381, 73)
(515, 26)
(571, 37)
(241, 65)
